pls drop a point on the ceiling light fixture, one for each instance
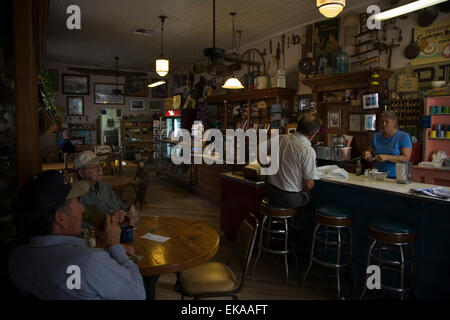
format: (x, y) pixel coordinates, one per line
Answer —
(155, 84)
(162, 64)
(407, 8)
(233, 84)
(330, 8)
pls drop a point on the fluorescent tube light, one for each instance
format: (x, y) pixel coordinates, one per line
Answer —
(407, 8)
(155, 84)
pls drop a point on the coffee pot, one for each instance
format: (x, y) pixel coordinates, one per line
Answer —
(403, 172)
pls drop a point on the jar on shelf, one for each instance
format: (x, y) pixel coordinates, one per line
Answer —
(340, 62)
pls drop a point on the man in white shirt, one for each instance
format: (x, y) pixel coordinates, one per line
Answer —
(291, 186)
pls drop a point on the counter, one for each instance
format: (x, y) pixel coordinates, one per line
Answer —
(368, 199)
(239, 197)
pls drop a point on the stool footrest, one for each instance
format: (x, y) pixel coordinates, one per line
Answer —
(330, 265)
(275, 251)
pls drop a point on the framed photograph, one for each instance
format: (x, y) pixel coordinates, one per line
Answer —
(370, 122)
(75, 106)
(135, 87)
(75, 84)
(334, 119)
(326, 43)
(354, 122)
(104, 94)
(137, 105)
(159, 91)
(370, 101)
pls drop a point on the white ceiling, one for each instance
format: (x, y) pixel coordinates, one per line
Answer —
(107, 28)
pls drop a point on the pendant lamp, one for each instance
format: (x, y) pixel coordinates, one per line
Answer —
(330, 8)
(162, 64)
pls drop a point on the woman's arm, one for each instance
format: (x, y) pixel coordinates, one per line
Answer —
(405, 155)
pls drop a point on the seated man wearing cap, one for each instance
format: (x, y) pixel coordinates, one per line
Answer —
(57, 264)
(86, 164)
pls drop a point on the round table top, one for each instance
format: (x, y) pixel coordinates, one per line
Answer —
(117, 182)
(191, 243)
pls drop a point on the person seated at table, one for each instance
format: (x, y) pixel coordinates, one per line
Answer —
(291, 185)
(87, 166)
(388, 146)
(52, 217)
(66, 146)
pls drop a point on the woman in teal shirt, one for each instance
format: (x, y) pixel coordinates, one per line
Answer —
(389, 146)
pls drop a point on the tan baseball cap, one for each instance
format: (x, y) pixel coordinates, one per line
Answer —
(78, 189)
(84, 158)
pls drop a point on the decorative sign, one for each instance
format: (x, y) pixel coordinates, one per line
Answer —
(172, 113)
(434, 43)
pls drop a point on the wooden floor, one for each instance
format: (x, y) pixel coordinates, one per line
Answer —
(268, 282)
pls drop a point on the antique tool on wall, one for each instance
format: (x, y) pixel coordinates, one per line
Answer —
(392, 45)
(412, 50)
(278, 56)
(283, 38)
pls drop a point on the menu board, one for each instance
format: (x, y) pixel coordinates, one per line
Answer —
(434, 43)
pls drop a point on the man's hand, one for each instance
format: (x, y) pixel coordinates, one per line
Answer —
(129, 249)
(120, 215)
(111, 235)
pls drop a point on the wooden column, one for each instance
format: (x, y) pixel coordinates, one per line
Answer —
(26, 95)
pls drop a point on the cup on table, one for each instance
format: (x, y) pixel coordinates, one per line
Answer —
(433, 134)
(126, 235)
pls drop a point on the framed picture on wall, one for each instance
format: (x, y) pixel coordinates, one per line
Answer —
(75, 106)
(370, 101)
(75, 84)
(105, 93)
(159, 91)
(137, 105)
(136, 87)
(370, 121)
(354, 122)
(334, 119)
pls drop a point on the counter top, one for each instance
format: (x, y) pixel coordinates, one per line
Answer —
(235, 177)
(388, 186)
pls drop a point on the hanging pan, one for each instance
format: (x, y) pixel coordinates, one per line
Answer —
(412, 50)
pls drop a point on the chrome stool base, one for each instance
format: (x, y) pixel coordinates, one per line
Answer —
(335, 245)
(286, 222)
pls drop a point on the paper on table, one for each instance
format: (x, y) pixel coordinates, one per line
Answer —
(155, 237)
(332, 171)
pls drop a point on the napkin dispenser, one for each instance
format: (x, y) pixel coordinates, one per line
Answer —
(403, 172)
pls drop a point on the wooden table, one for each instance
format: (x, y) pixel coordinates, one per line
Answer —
(117, 183)
(191, 243)
(60, 166)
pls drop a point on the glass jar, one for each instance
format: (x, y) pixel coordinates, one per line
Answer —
(340, 62)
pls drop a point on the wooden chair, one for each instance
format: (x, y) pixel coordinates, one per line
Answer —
(110, 160)
(216, 279)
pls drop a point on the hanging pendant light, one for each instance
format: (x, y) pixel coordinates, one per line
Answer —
(233, 83)
(162, 64)
(330, 8)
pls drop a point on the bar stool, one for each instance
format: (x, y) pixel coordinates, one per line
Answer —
(277, 221)
(337, 221)
(392, 236)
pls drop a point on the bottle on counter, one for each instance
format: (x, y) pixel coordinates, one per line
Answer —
(358, 168)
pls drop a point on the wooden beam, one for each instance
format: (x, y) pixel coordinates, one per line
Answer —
(26, 95)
